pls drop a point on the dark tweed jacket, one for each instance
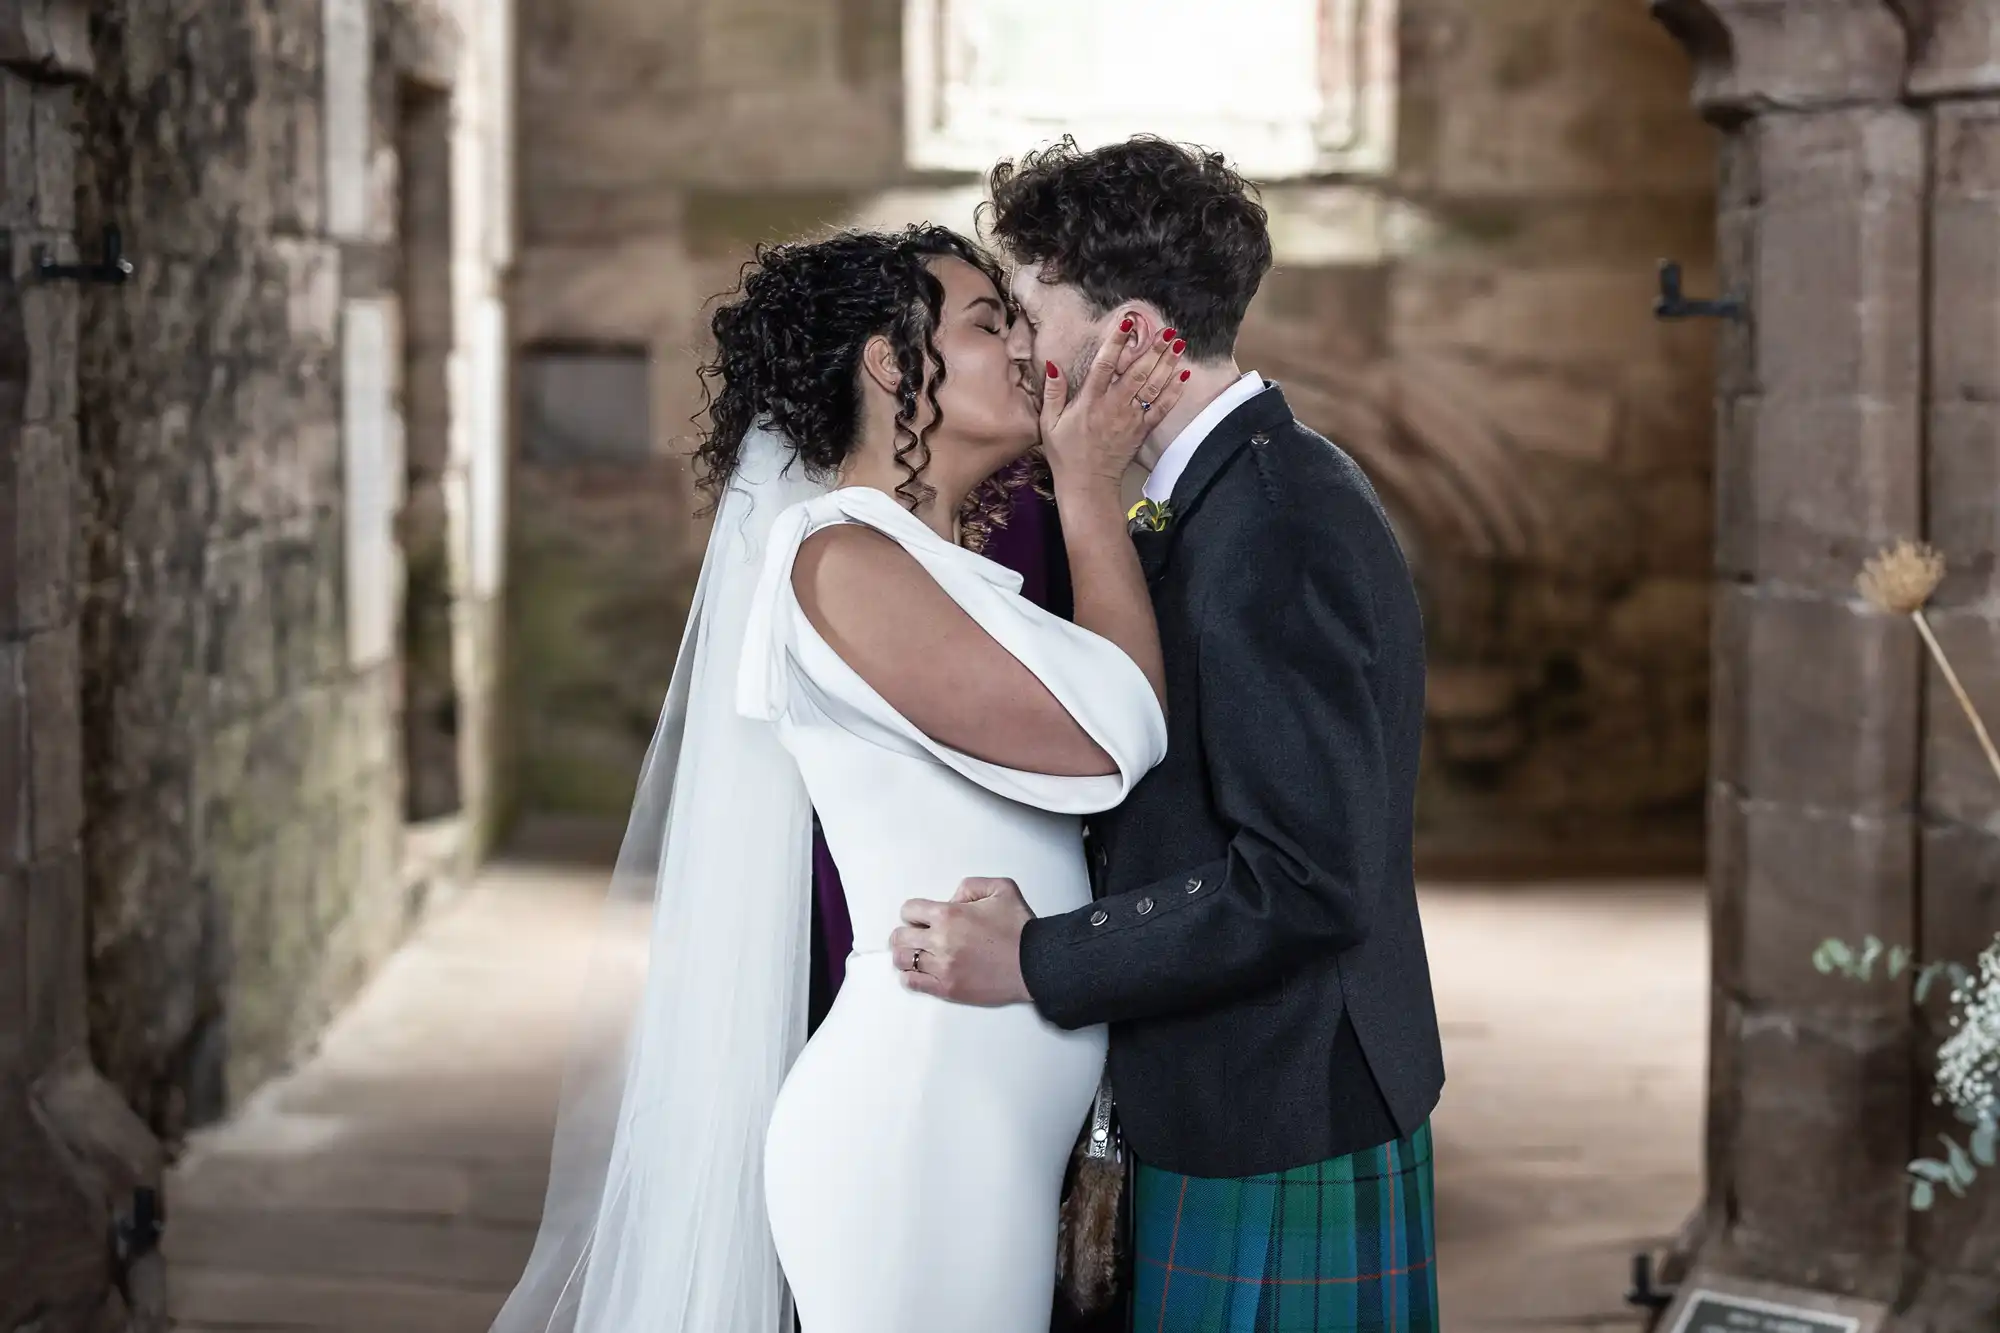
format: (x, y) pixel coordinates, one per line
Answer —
(1255, 944)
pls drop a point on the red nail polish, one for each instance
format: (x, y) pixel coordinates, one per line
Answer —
(1184, 375)
(1050, 366)
(1166, 335)
(1179, 347)
(1126, 327)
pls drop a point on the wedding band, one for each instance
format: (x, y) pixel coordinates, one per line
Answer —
(917, 961)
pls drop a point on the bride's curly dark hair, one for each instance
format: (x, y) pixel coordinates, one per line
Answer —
(788, 343)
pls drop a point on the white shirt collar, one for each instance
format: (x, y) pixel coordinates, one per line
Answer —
(1174, 459)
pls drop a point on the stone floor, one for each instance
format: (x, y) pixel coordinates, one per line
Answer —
(392, 1182)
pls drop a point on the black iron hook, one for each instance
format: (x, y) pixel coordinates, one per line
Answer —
(1673, 305)
(1644, 1295)
(113, 269)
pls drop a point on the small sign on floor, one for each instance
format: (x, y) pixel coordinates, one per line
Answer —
(1711, 1303)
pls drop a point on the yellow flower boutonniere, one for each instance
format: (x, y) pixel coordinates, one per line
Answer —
(1148, 516)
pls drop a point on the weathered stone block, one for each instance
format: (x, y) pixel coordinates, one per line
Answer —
(1815, 702)
(221, 779)
(18, 174)
(66, 1268)
(157, 507)
(1736, 342)
(1575, 317)
(1958, 783)
(146, 928)
(1666, 410)
(38, 499)
(48, 39)
(1962, 464)
(15, 947)
(1834, 480)
(1736, 424)
(49, 316)
(1803, 875)
(16, 765)
(1677, 514)
(55, 159)
(242, 644)
(1838, 298)
(304, 593)
(1662, 622)
(160, 688)
(275, 764)
(54, 967)
(1967, 147)
(1960, 52)
(1753, 54)
(1965, 289)
(52, 672)
(425, 42)
(1821, 1136)
(310, 274)
(1961, 887)
(348, 125)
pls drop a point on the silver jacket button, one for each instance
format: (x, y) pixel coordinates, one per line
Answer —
(1194, 885)
(1098, 918)
(1145, 906)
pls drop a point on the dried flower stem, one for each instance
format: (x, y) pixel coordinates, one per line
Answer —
(1958, 690)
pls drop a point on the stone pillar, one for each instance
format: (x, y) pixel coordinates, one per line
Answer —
(1860, 222)
(72, 1154)
(1954, 80)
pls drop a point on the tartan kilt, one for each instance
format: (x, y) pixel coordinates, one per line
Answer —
(1342, 1246)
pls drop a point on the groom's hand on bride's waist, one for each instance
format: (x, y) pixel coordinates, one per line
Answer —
(968, 950)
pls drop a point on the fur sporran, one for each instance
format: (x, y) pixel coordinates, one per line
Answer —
(1087, 1232)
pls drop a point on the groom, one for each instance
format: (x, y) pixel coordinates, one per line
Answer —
(1254, 944)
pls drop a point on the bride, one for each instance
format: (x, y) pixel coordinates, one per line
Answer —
(847, 654)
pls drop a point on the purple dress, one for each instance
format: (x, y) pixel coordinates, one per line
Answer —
(1031, 545)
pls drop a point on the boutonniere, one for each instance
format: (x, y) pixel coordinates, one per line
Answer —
(1148, 516)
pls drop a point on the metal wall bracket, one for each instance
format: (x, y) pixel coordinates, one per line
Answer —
(137, 1234)
(1673, 305)
(113, 269)
(1644, 1295)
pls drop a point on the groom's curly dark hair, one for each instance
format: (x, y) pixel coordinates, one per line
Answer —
(788, 343)
(1143, 220)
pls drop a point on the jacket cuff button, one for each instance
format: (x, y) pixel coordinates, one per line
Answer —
(1145, 905)
(1194, 885)
(1098, 918)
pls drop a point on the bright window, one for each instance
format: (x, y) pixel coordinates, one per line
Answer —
(1285, 88)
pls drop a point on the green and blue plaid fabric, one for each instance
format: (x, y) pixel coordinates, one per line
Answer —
(1344, 1246)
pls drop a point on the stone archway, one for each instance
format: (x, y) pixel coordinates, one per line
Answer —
(1860, 222)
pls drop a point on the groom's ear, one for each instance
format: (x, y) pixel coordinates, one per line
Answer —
(1146, 325)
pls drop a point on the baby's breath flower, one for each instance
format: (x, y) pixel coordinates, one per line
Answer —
(1968, 1073)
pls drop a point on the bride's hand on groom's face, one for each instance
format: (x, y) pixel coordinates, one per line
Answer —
(1131, 386)
(968, 950)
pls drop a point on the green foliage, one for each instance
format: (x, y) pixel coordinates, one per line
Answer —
(1859, 965)
(1959, 1166)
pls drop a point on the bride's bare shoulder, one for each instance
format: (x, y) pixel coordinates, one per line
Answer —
(883, 614)
(848, 576)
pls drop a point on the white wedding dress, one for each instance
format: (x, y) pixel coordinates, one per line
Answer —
(916, 1151)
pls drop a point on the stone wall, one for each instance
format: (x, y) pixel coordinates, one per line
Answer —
(242, 408)
(72, 1154)
(1486, 346)
(1477, 327)
(658, 142)
(1860, 220)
